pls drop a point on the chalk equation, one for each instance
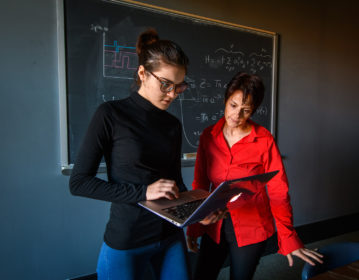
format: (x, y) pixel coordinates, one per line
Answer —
(233, 60)
(202, 104)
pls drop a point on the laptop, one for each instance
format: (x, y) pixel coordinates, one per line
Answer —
(193, 206)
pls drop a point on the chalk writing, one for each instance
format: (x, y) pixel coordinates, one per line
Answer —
(262, 110)
(206, 117)
(105, 99)
(204, 94)
(98, 28)
(236, 60)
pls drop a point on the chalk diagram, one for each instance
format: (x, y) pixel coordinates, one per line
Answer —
(119, 61)
(204, 97)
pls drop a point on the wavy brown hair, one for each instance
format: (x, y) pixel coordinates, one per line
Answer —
(250, 85)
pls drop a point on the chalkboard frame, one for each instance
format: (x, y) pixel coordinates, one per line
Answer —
(66, 166)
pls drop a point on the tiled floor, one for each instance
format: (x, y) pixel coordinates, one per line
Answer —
(275, 266)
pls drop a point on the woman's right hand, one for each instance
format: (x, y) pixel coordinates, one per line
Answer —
(162, 188)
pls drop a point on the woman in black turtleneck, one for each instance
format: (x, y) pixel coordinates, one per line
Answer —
(141, 144)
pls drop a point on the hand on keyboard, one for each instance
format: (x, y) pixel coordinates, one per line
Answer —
(162, 188)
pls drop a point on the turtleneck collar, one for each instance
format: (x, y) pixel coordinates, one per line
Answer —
(144, 103)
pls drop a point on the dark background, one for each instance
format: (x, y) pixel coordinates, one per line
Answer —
(48, 234)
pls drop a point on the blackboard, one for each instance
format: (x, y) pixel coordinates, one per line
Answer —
(100, 59)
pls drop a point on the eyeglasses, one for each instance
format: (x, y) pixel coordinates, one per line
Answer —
(167, 86)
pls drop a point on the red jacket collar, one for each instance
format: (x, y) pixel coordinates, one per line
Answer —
(257, 130)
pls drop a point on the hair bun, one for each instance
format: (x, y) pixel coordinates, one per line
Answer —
(146, 38)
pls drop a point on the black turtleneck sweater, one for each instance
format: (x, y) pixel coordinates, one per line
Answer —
(140, 144)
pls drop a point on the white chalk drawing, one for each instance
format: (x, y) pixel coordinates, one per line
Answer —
(120, 61)
(233, 60)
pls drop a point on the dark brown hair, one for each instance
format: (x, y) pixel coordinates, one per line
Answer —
(151, 51)
(250, 85)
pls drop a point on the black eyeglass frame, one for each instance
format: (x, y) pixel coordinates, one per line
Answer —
(167, 86)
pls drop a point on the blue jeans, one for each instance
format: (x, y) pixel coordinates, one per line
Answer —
(168, 259)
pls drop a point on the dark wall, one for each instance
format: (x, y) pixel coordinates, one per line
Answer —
(48, 234)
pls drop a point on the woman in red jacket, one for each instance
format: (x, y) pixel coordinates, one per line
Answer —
(237, 147)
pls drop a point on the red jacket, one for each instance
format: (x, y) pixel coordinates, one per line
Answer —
(253, 218)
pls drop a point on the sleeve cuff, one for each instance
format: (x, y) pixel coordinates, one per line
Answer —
(195, 230)
(289, 244)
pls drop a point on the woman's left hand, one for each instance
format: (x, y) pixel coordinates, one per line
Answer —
(214, 217)
(306, 255)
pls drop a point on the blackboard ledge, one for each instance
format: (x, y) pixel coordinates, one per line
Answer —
(67, 169)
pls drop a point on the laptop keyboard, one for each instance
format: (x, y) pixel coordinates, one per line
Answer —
(183, 211)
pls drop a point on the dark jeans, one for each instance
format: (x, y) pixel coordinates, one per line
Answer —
(244, 260)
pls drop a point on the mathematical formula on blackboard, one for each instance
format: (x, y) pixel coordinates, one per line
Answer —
(120, 62)
(101, 61)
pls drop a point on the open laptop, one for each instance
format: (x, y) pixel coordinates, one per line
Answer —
(193, 206)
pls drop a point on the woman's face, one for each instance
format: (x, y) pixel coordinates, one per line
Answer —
(236, 113)
(151, 86)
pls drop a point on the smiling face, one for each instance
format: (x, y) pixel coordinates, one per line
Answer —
(151, 87)
(236, 112)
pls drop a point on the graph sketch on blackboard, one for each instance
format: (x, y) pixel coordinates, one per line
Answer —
(101, 61)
